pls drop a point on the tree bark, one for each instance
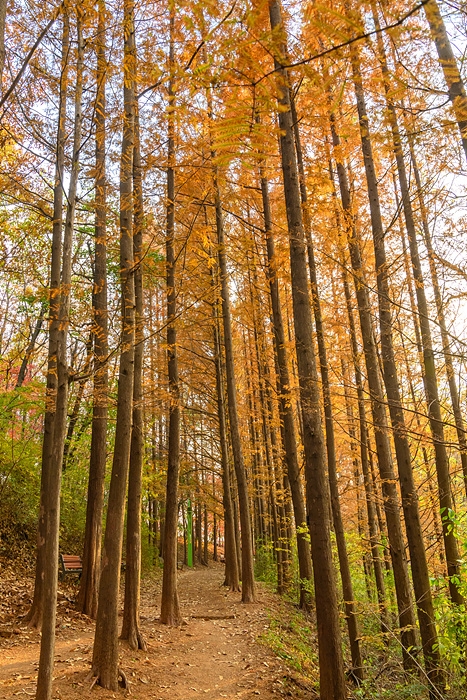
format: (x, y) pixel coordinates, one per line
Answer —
(34, 615)
(89, 582)
(408, 490)
(367, 480)
(441, 318)
(347, 588)
(105, 654)
(431, 389)
(383, 448)
(332, 679)
(257, 472)
(170, 608)
(277, 488)
(248, 581)
(131, 624)
(448, 63)
(52, 500)
(230, 549)
(288, 434)
(417, 549)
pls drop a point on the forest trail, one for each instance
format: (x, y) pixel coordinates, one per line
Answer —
(215, 654)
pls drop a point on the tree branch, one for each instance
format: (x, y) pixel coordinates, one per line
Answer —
(366, 35)
(19, 75)
(209, 34)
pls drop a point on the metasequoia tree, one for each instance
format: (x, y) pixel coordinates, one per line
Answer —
(409, 496)
(61, 323)
(230, 549)
(447, 60)
(130, 625)
(429, 374)
(332, 681)
(261, 532)
(441, 317)
(246, 536)
(288, 431)
(374, 531)
(276, 486)
(34, 616)
(347, 588)
(248, 582)
(383, 448)
(232, 568)
(89, 582)
(105, 666)
(170, 609)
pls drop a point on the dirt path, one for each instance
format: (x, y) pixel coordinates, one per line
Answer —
(216, 654)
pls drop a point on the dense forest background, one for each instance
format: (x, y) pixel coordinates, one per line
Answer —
(233, 315)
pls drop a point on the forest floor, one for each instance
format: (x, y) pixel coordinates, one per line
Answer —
(219, 651)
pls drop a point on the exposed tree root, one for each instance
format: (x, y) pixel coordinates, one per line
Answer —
(33, 618)
(135, 639)
(172, 621)
(122, 680)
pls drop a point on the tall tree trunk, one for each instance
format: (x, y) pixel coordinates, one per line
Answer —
(347, 588)
(433, 499)
(246, 536)
(105, 654)
(364, 458)
(419, 566)
(131, 624)
(288, 434)
(383, 448)
(215, 556)
(257, 473)
(156, 426)
(359, 481)
(248, 581)
(238, 545)
(34, 615)
(230, 549)
(448, 63)
(430, 380)
(332, 679)
(441, 318)
(277, 488)
(205, 535)
(170, 608)
(52, 500)
(89, 582)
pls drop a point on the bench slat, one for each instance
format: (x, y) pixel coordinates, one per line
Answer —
(70, 563)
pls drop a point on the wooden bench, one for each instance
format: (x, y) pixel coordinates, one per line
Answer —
(70, 564)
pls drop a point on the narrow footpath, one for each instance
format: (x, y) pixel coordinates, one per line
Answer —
(216, 653)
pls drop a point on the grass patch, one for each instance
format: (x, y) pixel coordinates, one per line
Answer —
(290, 636)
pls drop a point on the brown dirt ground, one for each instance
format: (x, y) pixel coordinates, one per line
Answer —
(212, 658)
